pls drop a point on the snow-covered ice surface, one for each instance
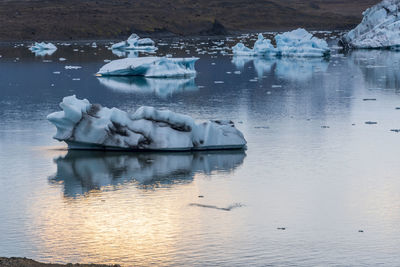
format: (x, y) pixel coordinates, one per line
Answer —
(380, 27)
(96, 170)
(134, 42)
(159, 86)
(296, 43)
(43, 49)
(150, 67)
(83, 125)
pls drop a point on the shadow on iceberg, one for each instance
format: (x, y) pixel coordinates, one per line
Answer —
(160, 86)
(81, 172)
(292, 69)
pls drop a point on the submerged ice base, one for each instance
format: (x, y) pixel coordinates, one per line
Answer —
(380, 28)
(83, 125)
(296, 43)
(161, 67)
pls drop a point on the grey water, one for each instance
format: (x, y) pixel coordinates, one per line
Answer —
(319, 183)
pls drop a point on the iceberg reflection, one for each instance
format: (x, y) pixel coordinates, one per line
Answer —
(379, 67)
(125, 53)
(83, 171)
(160, 86)
(292, 69)
(44, 52)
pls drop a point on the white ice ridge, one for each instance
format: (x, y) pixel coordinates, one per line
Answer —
(134, 42)
(296, 43)
(380, 27)
(42, 49)
(83, 125)
(161, 67)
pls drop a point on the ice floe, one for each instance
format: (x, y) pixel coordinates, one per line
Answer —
(379, 28)
(43, 49)
(83, 125)
(161, 67)
(80, 172)
(159, 86)
(296, 43)
(134, 42)
(42, 46)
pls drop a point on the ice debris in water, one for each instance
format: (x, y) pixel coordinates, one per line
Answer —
(379, 28)
(83, 125)
(134, 42)
(296, 43)
(150, 67)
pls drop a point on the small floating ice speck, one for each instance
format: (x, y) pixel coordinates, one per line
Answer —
(218, 82)
(62, 59)
(69, 67)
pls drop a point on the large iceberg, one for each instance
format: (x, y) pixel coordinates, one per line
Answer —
(134, 42)
(81, 172)
(42, 49)
(380, 28)
(296, 43)
(161, 67)
(159, 86)
(83, 125)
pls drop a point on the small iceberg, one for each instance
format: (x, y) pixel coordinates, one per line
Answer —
(159, 67)
(83, 125)
(380, 28)
(296, 43)
(159, 86)
(43, 49)
(134, 42)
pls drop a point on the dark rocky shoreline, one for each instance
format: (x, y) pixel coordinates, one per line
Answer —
(24, 262)
(103, 19)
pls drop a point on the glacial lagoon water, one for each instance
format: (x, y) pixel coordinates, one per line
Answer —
(318, 184)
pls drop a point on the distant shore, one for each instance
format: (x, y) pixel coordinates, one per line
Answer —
(37, 20)
(24, 262)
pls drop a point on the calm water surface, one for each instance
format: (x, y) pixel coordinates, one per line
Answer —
(313, 165)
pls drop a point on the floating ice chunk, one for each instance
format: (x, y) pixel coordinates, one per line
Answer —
(43, 49)
(159, 86)
(296, 43)
(42, 46)
(134, 42)
(62, 59)
(261, 47)
(68, 67)
(380, 27)
(90, 126)
(150, 67)
(300, 43)
(94, 45)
